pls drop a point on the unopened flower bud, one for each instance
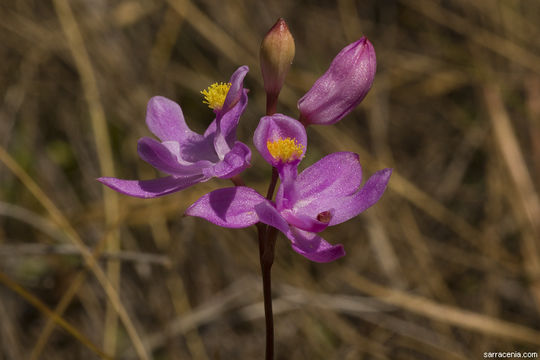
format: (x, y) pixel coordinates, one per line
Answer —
(277, 53)
(342, 87)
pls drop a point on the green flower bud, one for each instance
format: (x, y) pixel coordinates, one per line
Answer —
(277, 53)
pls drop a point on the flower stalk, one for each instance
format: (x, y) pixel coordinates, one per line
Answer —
(267, 244)
(327, 193)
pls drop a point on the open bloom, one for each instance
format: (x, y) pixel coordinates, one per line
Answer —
(327, 193)
(190, 158)
(342, 87)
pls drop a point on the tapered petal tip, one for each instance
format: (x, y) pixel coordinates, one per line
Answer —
(314, 247)
(235, 91)
(324, 255)
(147, 189)
(383, 177)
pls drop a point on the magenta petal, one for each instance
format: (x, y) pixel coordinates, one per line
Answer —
(226, 136)
(342, 87)
(270, 216)
(306, 222)
(160, 157)
(227, 118)
(210, 130)
(147, 189)
(236, 94)
(350, 206)
(164, 118)
(236, 90)
(287, 193)
(337, 174)
(235, 161)
(275, 127)
(195, 148)
(314, 247)
(228, 207)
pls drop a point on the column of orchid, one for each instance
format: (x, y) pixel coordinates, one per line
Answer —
(326, 193)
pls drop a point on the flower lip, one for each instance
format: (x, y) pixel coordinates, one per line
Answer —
(280, 139)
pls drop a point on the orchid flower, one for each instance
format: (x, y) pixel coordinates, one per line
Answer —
(327, 193)
(190, 158)
(342, 87)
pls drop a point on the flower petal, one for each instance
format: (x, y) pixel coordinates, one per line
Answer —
(228, 207)
(353, 205)
(314, 247)
(195, 147)
(151, 188)
(235, 161)
(276, 127)
(226, 135)
(270, 216)
(342, 87)
(160, 156)
(334, 176)
(305, 243)
(287, 195)
(347, 207)
(306, 222)
(236, 90)
(164, 118)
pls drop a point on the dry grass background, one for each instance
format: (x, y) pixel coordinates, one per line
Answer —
(445, 266)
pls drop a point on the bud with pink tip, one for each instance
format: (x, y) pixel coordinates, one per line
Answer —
(276, 55)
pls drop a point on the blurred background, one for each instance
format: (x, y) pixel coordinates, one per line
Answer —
(445, 266)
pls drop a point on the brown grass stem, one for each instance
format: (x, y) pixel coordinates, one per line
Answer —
(51, 314)
(102, 141)
(72, 234)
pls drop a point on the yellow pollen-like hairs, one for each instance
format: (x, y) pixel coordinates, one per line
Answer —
(285, 150)
(215, 95)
